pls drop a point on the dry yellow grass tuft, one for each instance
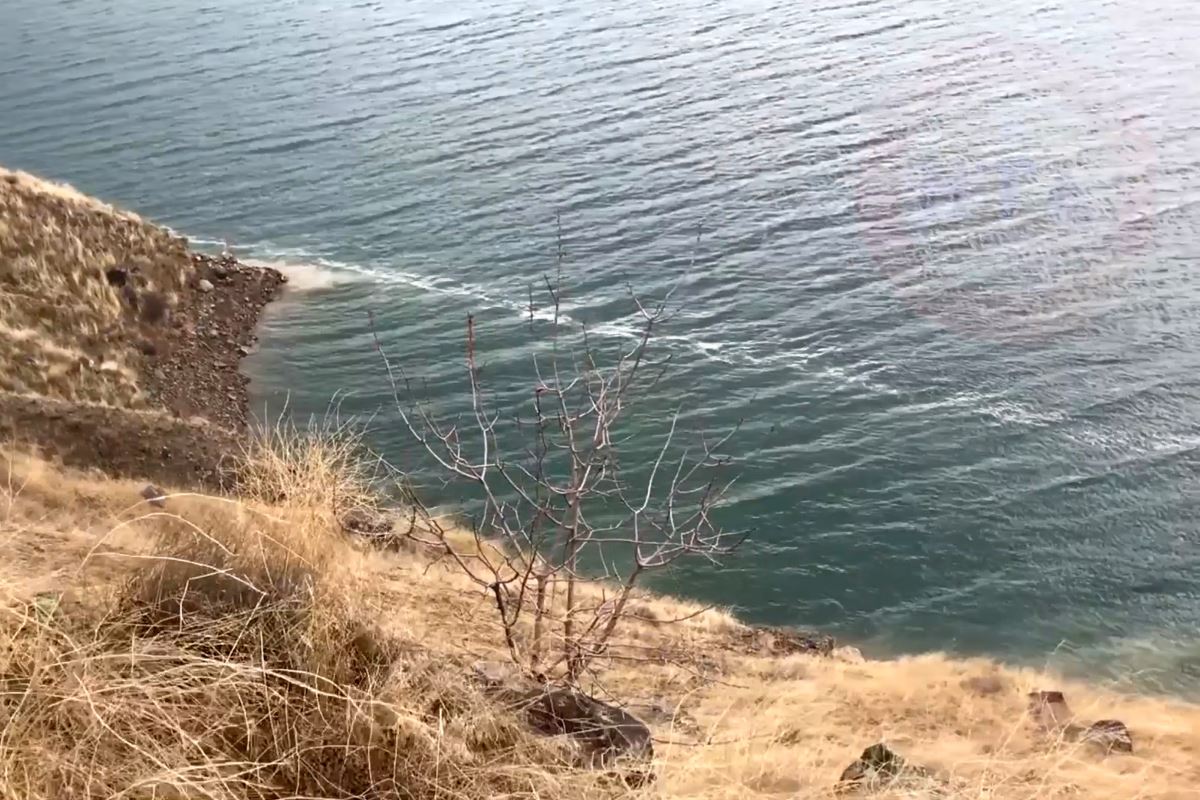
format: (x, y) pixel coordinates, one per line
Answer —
(247, 648)
(219, 649)
(66, 332)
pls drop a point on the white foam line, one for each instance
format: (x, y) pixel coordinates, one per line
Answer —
(737, 354)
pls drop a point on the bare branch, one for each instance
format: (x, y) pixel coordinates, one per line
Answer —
(555, 491)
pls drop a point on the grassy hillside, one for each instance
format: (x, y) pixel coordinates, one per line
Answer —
(239, 648)
(65, 329)
(118, 345)
(245, 645)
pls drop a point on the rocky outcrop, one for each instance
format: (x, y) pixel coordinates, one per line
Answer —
(879, 767)
(605, 735)
(1108, 736)
(154, 496)
(193, 369)
(605, 732)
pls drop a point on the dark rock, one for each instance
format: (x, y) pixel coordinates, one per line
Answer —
(878, 766)
(1109, 735)
(605, 732)
(154, 495)
(117, 276)
(243, 351)
(1049, 711)
(147, 347)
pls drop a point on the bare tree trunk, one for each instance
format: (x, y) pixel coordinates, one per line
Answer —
(571, 563)
(539, 622)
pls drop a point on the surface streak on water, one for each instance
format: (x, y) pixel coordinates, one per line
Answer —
(946, 268)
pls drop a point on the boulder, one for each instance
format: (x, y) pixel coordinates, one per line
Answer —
(604, 732)
(154, 496)
(205, 285)
(878, 767)
(1109, 736)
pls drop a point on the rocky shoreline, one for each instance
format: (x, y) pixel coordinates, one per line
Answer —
(186, 352)
(191, 367)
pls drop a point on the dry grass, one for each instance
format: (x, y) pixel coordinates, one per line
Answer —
(248, 649)
(219, 650)
(65, 331)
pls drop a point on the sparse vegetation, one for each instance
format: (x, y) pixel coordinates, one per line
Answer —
(561, 508)
(227, 650)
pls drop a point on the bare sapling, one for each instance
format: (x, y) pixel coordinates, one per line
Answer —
(564, 530)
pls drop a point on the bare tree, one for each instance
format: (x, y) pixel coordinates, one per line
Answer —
(559, 509)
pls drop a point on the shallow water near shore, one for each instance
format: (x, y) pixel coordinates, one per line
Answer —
(942, 260)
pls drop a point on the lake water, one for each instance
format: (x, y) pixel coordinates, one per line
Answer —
(946, 267)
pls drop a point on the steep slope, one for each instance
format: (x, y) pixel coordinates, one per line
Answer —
(119, 328)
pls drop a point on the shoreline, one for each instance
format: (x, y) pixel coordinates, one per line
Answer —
(195, 411)
(198, 372)
(123, 346)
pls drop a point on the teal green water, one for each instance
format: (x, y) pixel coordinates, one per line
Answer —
(946, 271)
